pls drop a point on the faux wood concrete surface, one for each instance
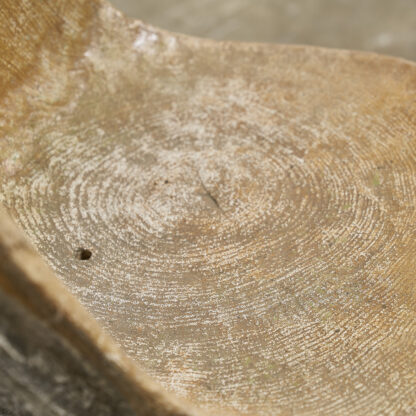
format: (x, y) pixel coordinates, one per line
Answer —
(249, 209)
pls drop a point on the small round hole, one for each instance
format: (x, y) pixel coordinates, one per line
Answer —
(84, 254)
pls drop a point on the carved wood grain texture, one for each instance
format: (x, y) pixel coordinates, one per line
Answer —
(54, 357)
(249, 210)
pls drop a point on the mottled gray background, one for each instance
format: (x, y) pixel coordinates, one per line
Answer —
(386, 26)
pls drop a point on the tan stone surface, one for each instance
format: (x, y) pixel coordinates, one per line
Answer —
(249, 208)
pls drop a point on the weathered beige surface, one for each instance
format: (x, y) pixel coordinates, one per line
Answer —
(249, 208)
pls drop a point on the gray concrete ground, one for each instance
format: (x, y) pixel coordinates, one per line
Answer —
(385, 26)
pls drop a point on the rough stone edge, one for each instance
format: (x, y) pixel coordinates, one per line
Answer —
(40, 374)
(28, 281)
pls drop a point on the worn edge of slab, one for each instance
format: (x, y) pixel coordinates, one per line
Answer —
(41, 374)
(27, 280)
